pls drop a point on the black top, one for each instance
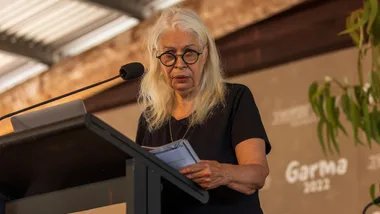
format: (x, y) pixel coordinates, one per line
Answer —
(215, 139)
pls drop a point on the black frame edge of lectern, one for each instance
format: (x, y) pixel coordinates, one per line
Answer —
(143, 156)
(142, 169)
(3, 199)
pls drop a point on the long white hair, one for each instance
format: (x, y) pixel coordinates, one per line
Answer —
(156, 96)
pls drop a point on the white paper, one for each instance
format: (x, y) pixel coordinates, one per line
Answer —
(177, 158)
(178, 154)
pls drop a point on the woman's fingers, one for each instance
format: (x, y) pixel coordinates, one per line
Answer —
(192, 168)
(200, 174)
(209, 182)
(207, 174)
(202, 180)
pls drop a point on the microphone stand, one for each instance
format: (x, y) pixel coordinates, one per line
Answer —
(60, 97)
(376, 201)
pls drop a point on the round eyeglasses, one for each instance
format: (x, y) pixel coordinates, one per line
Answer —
(169, 59)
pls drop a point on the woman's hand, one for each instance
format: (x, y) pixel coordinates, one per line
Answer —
(208, 174)
(246, 177)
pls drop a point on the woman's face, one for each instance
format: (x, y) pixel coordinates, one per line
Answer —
(182, 76)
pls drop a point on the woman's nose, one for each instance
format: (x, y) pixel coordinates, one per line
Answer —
(180, 63)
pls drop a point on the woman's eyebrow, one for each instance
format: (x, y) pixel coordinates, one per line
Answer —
(168, 48)
(173, 48)
(190, 45)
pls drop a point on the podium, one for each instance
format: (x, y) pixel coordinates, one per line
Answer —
(80, 164)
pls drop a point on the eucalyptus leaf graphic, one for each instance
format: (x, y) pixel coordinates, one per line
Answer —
(367, 122)
(359, 17)
(328, 137)
(320, 136)
(360, 103)
(372, 13)
(355, 119)
(345, 105)
(375, 82)
(375, 122)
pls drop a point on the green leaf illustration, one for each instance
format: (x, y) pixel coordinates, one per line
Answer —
(345, 104)
(360, 17)
(328, 137)
(375, 85)
(320, 136)
(367, 122)
(373, 10)
(330, 108)
(375, 122)
(333, 138)
(372, 192)
(312, 96)
(376, 29)
(355, 120)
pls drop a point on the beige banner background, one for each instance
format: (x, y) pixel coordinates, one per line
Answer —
(302, 180)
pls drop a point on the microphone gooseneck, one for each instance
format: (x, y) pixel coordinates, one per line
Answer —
(376, 201)
(127, 72)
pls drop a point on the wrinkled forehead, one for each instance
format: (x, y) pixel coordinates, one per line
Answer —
(178, 40)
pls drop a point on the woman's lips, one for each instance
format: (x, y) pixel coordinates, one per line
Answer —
(181, 78)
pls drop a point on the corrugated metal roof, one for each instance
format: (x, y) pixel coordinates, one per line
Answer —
(66, 27)
(48, 21)
(9, 62)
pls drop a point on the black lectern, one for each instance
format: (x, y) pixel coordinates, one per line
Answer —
(80, 164)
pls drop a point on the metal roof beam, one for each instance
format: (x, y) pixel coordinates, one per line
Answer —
(27, 48)
(130, 8)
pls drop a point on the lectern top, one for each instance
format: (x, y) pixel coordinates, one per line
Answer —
(71, 153)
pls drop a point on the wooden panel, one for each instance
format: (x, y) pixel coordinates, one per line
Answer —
(303, 31)
(121, 94)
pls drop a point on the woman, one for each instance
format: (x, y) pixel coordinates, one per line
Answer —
(185, 97)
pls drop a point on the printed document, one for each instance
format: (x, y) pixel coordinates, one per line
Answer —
(178, 154)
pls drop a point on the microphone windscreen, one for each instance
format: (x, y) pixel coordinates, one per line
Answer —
(131, 71)
(377, 200)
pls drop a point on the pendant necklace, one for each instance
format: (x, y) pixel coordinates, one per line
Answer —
(170, 129)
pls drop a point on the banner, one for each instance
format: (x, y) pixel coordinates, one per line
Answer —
(302, 180)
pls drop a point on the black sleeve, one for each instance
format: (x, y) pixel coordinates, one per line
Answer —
(246, 119)
(141, 130)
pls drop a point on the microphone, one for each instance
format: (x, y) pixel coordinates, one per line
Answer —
(131, 71)
(376, 201)
(127, 72)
